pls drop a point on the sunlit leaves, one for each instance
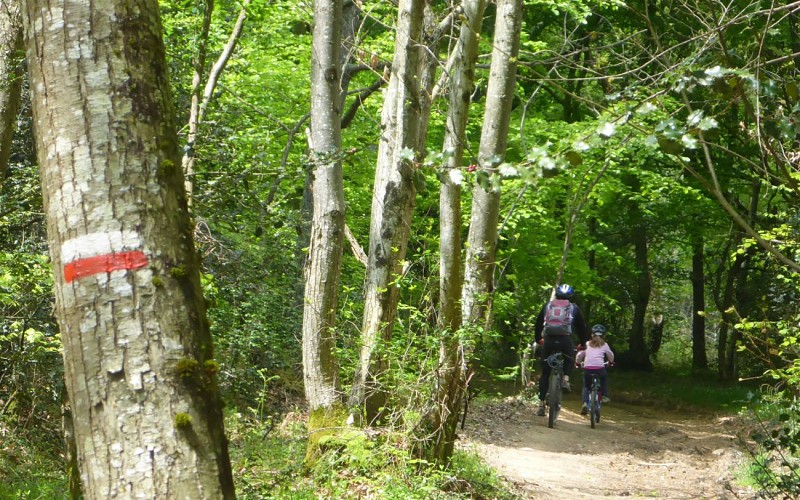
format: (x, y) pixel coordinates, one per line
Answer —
(406, 154)
(606, 129)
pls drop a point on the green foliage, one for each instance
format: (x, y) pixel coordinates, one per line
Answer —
(29, 470)
(31, 367)
(775, 464)
(678, 388)
(268, 463)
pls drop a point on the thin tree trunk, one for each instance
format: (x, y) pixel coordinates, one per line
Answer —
(725, 367)
(699, 357)
(11, 74)
(639, 353)
(138, 357)
(482, 237)
(199, 68)
(350, 21)
(198, 104)
(443, 418)
(323, 265)
(392, 205)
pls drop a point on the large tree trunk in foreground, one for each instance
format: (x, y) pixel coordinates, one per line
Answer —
(323, 266)
(482, 238)
(138, 357)
(392, 205)
(11, 44)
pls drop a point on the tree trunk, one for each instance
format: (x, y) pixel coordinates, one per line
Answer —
(639, 355)
(198, 106)
(428, 64)
(323, 265)
(138, 357)
(392, 205)
(724, 361)
(11, 45)
(450, 388)
(699, 358)
(482, 237)
(199, 67)
(462, 82)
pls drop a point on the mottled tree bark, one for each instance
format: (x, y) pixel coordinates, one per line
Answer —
(323, 265)
(451, 385)
(138, 357)
(482, 237)
(392, 205)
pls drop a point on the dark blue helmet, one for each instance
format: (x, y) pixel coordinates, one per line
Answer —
(598, 330)
(564, 291)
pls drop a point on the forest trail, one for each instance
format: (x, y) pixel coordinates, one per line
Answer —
(634, 452)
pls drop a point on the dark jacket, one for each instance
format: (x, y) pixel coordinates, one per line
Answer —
(579, 327)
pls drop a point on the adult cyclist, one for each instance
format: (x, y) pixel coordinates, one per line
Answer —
(554, 340)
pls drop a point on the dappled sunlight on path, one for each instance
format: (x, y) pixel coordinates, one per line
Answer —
(634, 452)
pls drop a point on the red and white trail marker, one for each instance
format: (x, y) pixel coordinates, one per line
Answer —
(97, 253)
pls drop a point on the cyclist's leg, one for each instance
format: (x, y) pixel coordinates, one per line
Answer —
(567, 347)
(604, 383)
(544, 380)
(547, 350)
(587, 385)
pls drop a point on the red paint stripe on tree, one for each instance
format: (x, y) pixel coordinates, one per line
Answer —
(90, 266)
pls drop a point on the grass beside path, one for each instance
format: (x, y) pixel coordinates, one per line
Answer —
(673, 390)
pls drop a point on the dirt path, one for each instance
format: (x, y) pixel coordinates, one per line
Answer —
(634, 452)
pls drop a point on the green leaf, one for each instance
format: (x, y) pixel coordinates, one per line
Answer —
(689, 141)
(574, 158)
(669, 146)
(707, 123)
(791, 90)
(407, 154)
(606, 130)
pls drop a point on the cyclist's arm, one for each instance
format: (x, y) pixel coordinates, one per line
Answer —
(539, 326)
(579, 325)
(609, 354)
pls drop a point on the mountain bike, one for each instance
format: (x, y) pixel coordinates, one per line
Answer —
(556, 362)
(595, 398)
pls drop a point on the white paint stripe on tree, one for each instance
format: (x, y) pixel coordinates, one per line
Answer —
(94, 244)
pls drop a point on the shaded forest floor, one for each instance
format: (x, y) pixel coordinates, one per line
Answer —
(639, 449)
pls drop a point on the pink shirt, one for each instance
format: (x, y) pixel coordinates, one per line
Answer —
(593, 357)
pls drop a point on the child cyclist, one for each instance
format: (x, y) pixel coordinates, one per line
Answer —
(594, 357)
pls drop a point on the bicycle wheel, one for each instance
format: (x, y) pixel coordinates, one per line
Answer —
(554, 398)
(594, 403)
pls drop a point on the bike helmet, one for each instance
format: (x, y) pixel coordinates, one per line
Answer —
(564, 291)
(599, 330)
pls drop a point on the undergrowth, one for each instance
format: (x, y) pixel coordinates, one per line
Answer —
(29, 470)
(673, 389)
(269, 464)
